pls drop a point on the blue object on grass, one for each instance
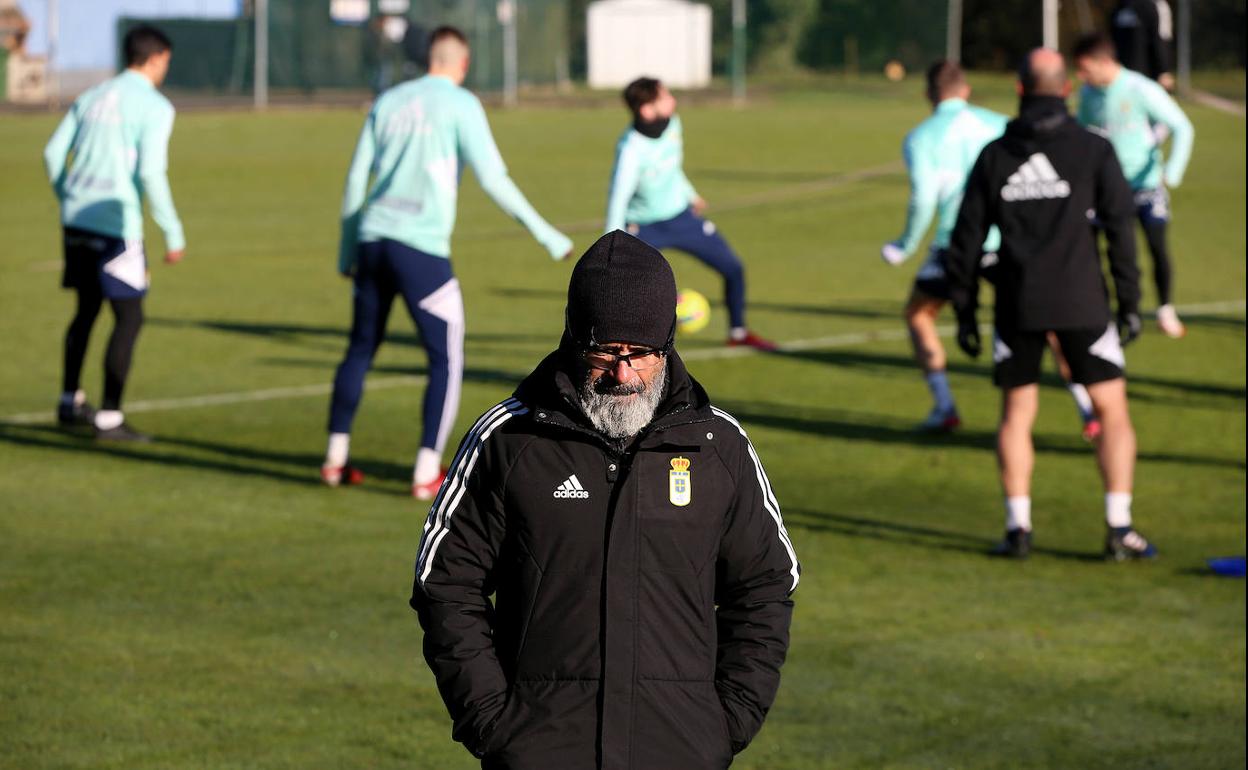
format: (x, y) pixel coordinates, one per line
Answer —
(1228, 566)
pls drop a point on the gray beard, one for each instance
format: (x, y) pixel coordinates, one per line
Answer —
(616, 415)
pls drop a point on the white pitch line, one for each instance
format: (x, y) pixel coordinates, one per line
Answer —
(237, 397)
(1218, 103)
(849, 339)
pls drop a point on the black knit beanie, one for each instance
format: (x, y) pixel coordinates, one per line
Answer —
(622, 290)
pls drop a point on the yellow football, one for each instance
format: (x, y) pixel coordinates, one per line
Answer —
(693, 312)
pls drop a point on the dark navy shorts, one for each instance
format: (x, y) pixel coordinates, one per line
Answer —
(931, 280)
(1152, 206)
(118, 268)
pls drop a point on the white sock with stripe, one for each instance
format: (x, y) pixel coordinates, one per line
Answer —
(428, 466)
(74, 397)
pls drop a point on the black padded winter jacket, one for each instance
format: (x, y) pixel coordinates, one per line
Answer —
(641, 596)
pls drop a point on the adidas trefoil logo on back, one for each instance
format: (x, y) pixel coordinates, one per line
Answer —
(1036, 179)
(571, 489)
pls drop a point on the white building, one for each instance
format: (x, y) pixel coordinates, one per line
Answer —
(666, 39)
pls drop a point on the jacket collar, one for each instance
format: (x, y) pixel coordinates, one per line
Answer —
(1039, 118)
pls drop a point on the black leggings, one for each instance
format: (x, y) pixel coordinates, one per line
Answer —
(1155, 234)
(127, 320)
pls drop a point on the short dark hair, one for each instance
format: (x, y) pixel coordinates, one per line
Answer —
(942, 78)
(142, 43)
(1096, 45)
(641, 92)
(447, 31)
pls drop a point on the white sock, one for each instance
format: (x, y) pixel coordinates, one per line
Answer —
(428, 466)
(738, 333)
(107, 419)
(75, 397)
(938, 383)
(1018, 513)
(1118, 509)
(1083, 402)
(338, 449)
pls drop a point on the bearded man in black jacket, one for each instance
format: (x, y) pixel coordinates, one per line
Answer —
(640, 570)
(1040, 183)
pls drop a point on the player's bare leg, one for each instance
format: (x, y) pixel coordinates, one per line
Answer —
(921, 313)
(1116, 451)
(1016, 454)
(1016, 457)
(1116, 455)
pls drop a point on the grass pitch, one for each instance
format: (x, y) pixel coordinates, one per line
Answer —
(204, 602)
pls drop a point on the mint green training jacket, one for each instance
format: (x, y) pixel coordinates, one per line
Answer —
(403, 183)
(1126, 112)
(648, 183)
(939, 154)
(108, 154)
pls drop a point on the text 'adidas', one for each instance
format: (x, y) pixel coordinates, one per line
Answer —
(571, 489)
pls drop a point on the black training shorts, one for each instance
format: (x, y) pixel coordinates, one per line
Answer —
(1094, 355)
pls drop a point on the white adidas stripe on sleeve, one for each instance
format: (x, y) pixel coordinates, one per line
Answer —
(769, 498)
(438, 523)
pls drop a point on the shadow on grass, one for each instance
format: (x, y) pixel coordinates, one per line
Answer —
(1214, 321)
(879, 429)
(233, 459)
(1137, 384)
(471, 374)
(861, 527)
(873, 310)
(306, 334)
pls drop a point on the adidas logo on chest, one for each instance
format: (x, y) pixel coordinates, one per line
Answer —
(571, 490)
(1036, 179)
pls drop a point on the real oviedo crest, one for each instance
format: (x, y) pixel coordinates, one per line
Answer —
(679, 487)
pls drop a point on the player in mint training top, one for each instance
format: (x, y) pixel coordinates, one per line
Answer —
(939, 154)
(1129, 109)
(651, 198)
(398, 212)
(108, 156)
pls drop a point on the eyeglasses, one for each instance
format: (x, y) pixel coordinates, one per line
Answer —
(638, 360)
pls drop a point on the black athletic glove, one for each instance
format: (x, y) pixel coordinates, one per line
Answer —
(968, 336)
(1129, 326)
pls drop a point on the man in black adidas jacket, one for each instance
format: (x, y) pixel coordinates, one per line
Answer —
(1040, 183)
(625, 527)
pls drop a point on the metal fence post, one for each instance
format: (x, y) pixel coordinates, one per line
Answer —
(953, 34)
(261, 84)
(738, 53)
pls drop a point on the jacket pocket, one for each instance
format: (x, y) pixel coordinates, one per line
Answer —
(545, 724)
(680, 725)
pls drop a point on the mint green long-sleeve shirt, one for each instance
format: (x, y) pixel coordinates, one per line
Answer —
(1126, 112)
(108, 154)
(403, 183)
(648, 183)
(939, 154)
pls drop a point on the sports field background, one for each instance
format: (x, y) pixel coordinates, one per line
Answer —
(203, 602)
